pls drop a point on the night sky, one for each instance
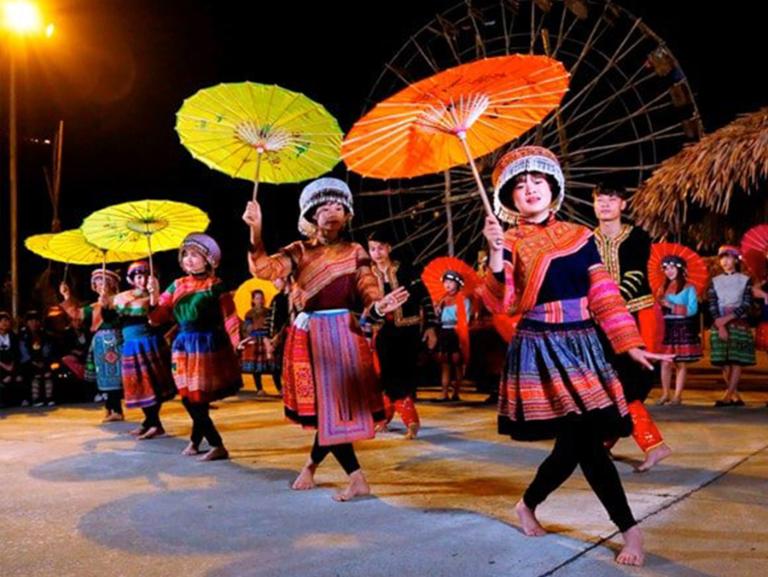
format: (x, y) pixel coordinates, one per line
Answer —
(116, 71)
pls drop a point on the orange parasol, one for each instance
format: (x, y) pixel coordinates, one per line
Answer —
(697, 272)
(754, 247)
(455, 116)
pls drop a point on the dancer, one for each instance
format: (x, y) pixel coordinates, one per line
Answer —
(731, 342)
(681, 327)
(103, 365)
(399, 336)
(146, 359)
(625, 251)
(204, 362)
(257, 354)
(557, 381)
(328, 377)
(454, 311)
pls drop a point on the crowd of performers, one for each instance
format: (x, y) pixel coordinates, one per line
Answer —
(343, 335)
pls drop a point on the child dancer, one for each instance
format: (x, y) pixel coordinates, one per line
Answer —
(204, 362)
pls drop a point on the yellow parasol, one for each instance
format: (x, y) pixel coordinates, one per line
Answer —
(259, 132)
(72, 247)
(38, 244)
(144, 226)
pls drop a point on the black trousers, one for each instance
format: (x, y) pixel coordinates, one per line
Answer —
(152, 416)
(202, 425)
(580, 445)
(345, 455)
(113, 402)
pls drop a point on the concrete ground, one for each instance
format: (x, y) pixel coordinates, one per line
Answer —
(84, 499)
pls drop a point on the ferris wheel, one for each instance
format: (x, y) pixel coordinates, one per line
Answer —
(629, 106)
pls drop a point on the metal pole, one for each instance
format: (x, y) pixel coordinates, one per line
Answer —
(14, 192)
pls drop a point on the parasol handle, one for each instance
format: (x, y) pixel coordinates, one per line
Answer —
(258, 174)
(149, 250)
(103, 272)
(66, 270)
(462, 136)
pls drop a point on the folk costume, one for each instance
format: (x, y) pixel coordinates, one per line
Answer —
(329, 383)
(398, 340)
(204, 363)
(146, 358)
(256, 357)
(625, 257)
(557, 381)
(731, 294)
(681, 319)
(103, 363)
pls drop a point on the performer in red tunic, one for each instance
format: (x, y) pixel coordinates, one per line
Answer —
(329, 382)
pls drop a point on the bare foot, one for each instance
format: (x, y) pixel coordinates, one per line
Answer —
(632, 552)
(358, 487)
(306, 479)
(215, 454)
(663, 400)
(413, 431)
(653, 457)
(137, 432)
(382, 428)
(528, 521)
(676, 401)
(151, 433)
(113, 417)
(190, 450)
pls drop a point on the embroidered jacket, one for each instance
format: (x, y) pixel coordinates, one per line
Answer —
(553, 273)
(199, 302)
(626, 257)
(326, 276)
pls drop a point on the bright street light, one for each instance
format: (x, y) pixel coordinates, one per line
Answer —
(22, 19)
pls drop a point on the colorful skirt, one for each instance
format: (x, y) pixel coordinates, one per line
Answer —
(681, 338)
(255, 356)
(739, 349)
(146, 366)
(204, 365)
(556, 374)
(761, 336)
(329, 383)
(103, 363)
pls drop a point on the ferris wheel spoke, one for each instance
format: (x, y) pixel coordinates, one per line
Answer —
(596, 110)
(604, 130)
(582, 96)
(560, 35)
(430, 62)
(596, 152)
(589, 43)
(479, 46)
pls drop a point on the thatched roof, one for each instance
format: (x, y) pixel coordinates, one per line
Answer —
(704, 174)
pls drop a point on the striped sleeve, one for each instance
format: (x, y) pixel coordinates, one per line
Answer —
(610, 311)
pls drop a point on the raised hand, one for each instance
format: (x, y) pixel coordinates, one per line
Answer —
(252, 216)
(392, 301)
(493, 233)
